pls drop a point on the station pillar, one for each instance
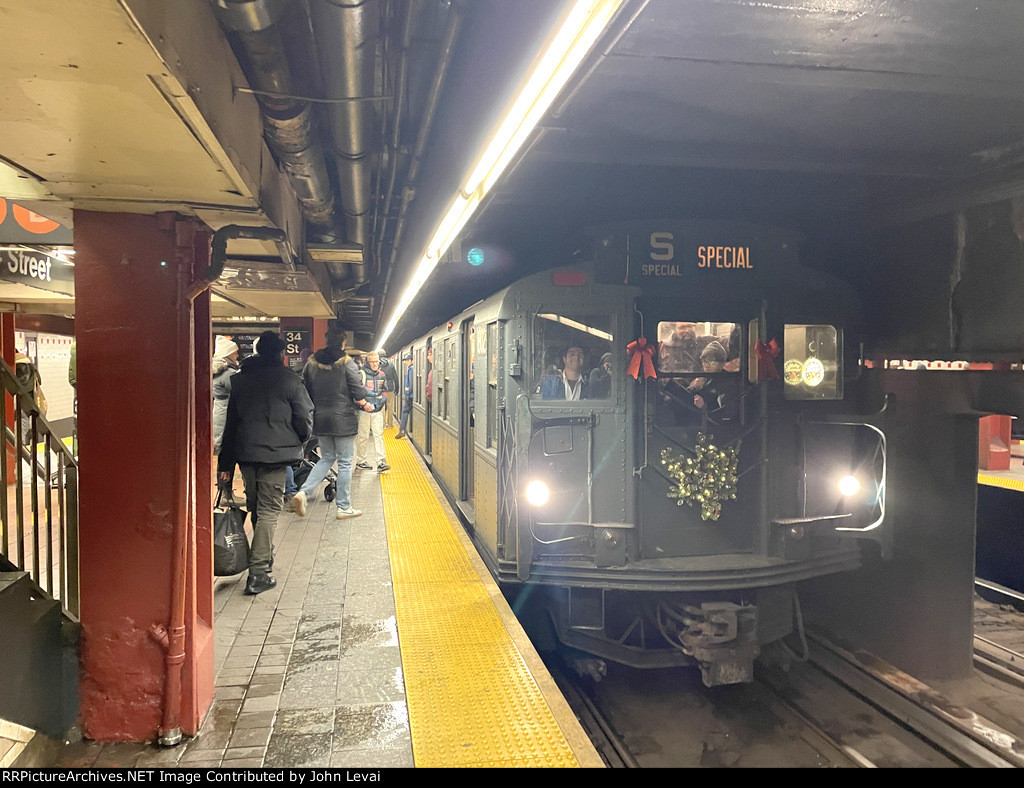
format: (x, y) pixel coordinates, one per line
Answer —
(146, 580)
(994, 443)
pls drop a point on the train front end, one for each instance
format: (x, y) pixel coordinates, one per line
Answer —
(685, 441)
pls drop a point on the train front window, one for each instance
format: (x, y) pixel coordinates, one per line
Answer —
(574, 357)
(686, 347)
(813, 362)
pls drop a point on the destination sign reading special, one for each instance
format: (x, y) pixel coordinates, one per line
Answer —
(664, 261)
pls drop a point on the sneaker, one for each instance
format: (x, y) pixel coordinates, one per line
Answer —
(298, 503)
(349, 512)
(257, 584)
(400, 434)
(382, 467)
(364, 466)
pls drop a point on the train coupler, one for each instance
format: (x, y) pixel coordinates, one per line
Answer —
(722, 637)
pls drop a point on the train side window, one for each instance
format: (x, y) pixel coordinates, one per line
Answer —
(574, 357)
(449, 369)
(813, 362)
(418, 393)
(491, 439)
(686, 347)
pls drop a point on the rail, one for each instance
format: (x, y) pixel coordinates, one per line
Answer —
(40, 535)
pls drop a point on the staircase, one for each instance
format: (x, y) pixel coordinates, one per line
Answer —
(39, 626)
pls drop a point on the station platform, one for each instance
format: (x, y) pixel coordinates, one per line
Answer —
(386, 643)
(1013, 477)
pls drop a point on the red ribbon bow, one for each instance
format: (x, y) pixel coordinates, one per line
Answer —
(766, 355)
(641, 352)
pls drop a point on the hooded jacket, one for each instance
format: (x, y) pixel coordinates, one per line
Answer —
(269, 415)
(222, 370)
(333, 382)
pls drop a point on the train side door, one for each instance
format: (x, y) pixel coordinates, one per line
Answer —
(428, 396)
(698, 399)
(467, 434)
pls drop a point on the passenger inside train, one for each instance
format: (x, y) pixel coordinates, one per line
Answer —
(710, 348)
(569, 350)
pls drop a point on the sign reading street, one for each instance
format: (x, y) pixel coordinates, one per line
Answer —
(37, 269)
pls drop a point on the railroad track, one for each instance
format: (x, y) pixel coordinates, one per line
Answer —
(900, 706)
(847, 707)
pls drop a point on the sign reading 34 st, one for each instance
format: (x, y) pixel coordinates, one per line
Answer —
(37, 269)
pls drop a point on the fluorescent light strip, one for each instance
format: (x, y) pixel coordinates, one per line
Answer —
(581, 28)
(565, 321)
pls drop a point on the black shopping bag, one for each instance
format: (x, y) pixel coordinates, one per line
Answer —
(230, 544)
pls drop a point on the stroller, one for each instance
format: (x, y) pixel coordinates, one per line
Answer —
(301, 469)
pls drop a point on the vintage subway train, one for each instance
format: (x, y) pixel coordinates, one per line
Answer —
(660, 521)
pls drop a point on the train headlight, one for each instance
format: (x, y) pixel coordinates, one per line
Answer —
(537, 493)
(849, 486)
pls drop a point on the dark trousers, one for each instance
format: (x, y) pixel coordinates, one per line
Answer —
(264, 496)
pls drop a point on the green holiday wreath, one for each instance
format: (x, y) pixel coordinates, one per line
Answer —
(706, 479)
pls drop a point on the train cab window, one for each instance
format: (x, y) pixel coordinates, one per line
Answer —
(686, 347)
(574, 357)
(813, 362)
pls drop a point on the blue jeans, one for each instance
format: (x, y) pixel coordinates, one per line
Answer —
(289, 481)
(334, 448)
(403, 421)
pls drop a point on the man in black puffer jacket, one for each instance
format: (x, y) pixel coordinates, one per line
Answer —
(269, 420)
(333, 381)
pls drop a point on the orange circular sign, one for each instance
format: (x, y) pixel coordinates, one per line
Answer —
(3, 210)
(33, 222)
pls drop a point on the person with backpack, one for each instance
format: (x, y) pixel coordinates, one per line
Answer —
(371, 421)
(339, 398)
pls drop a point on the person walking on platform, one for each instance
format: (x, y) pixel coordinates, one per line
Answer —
(269, 419)
(225, 364)
(406, 396)
(392, 375)
(333, 382)
(371, 421)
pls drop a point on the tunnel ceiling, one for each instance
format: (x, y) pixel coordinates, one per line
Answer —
(833, 117)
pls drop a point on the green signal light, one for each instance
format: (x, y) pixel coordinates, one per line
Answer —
(475, 256)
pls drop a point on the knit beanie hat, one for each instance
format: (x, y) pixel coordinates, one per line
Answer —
(224, 348)
(713, 352)
(269, 344)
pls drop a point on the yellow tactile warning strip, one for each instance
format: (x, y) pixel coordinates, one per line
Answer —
(473, 698)
(1001, 481)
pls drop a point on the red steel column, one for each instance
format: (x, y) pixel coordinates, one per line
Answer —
(145, 470)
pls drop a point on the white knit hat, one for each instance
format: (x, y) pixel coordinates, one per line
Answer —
(224, 348)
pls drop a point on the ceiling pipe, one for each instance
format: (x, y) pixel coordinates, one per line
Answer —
(433, 99)
(401, 89)
(288, 123)
(346, 40)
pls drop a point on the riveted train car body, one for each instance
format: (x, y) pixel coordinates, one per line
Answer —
(620, 568)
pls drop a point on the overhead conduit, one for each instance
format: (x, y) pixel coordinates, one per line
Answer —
(288, 122)
(346, 38)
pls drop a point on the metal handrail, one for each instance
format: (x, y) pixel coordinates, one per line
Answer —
(51, 556)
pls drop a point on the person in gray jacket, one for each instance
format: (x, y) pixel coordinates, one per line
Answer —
(334, 383)
(225, 364)
(269, 420)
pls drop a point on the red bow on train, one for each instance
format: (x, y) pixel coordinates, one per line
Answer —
(766, 359)
(641, 352)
